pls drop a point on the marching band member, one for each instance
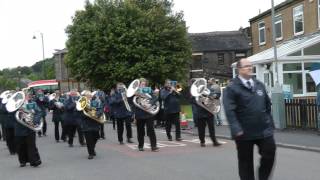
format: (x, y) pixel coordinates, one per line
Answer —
(56, 105)
(170, 98)
(204, 118)
(42, 102)
(121, 113)
(8, 123)
(69, 118)
(111, 111)
(143, 119)
(26, 138)
(91, 127)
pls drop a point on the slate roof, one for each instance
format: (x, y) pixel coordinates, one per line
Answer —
(219, 41)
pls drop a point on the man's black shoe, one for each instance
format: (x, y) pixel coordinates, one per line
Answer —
(202, 144)
(129, 141)
(154, 149)
(90, 157)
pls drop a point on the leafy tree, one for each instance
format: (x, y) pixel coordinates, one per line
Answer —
(121, 40)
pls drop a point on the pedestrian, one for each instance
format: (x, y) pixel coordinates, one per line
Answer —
(204, 117)
(90, 126)
(26, 138)
(170, 98)
(248, 110)
(122, 112)
(145, 118)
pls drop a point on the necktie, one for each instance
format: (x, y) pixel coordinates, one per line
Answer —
(249, 85)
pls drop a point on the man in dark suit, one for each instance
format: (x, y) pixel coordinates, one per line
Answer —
(248, 110)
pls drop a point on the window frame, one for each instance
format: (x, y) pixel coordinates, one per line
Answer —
(281, 25)
(264, 33)
(294, 19)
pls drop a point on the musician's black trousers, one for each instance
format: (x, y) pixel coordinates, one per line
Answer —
(202, 122)
(91, 139)
(267, 149)
(120, 128)
(10, 139)
(102, 131)
(27, 149)
(57, 132)
(80, 135)
(3, 132)
(44, 127)
(150, 132)
(70, 131)
(170, 119)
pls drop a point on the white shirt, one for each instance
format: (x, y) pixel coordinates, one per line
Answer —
(244, 81)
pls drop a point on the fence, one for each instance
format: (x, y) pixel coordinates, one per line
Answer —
(301, 113)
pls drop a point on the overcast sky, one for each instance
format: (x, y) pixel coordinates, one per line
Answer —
(20, 20)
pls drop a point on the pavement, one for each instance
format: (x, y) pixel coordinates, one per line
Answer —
(184, 160)
(295, 139)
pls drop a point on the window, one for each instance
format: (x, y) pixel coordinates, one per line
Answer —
(298, 20)
(297, 53)
(292, 67)
(278, 27)
(297, 76)
(220, 58)
(196, 62)
(262, 33)
(312, 50)
(310, 84)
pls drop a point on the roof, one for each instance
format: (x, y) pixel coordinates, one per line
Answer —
(62, 51)
(286, 48)
(43, 83)
(219, 41)
(277, 8)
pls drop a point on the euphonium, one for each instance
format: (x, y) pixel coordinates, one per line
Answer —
(83, 104)
(25, 116)
(204, 97)
(143, 100)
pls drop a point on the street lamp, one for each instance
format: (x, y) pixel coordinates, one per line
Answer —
(277, 98)
(43, 63)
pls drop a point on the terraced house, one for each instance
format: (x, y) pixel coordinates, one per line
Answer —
(297, 31)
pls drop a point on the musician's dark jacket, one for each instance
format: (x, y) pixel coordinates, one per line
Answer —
(3, 114)
(21, 130)
(69, 116)
(7, 118)
(56, 112)
(201, 112)
(248, 110)
(118, 107)
(170, 100)
(43, 105)
(141, 114)
(88, 124)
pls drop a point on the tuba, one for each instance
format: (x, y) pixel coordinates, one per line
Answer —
(83, 104)
(6, 95)
(124, 98)
(142, 100)
(204, 96)
(24, 116)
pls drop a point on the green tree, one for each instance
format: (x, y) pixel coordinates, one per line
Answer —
(121, 40)
(7, 83)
